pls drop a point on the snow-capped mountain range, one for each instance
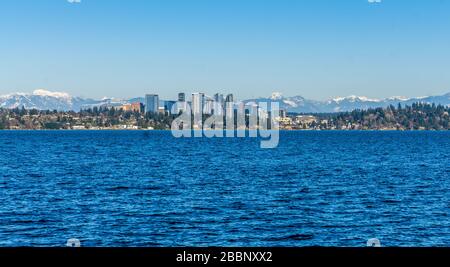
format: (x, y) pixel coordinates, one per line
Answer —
(299, 104)
(47, 100)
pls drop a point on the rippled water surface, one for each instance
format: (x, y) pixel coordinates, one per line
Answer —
(125, 188)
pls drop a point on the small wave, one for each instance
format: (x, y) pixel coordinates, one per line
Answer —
(297, 237)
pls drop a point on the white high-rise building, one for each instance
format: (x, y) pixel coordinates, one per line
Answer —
(219, 102)
(198, 102)
(229, 106)
(209, 106)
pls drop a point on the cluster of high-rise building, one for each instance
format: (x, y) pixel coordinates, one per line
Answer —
(199, 104)
(202, 104)
(232, 113)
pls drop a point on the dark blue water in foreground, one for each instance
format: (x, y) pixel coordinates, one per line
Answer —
(124, 188)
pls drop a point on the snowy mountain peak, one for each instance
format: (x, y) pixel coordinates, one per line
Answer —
(299, 104)
(49, 100)
(398, 98)
(354, 98)
(42, 92)
(44, 100)
(276, 96)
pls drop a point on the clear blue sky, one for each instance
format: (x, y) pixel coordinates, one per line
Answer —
(317, 49)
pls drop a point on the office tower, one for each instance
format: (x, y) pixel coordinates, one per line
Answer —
(209, 106)
(230, 98)
(181, 97)
(151, 103)
(198, 102)
(218, 104)
(181, 105)
(218, 98)
(229, 106)
(168, 105)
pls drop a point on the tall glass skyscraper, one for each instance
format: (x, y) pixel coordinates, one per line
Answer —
(181, 97)
(209, 106)
(230, 98)
(151, 103)
(169, 107)
(218, 98)
(229, 107)
(198, 102)
(218, 104)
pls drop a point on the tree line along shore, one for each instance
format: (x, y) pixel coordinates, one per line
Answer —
(418, 116)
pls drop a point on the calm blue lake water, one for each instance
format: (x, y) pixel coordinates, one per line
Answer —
(125, 188)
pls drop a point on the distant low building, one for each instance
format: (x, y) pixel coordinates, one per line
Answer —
(79, 127)
(126, 107)
(137, 107)
(305, 119)
(284, 121)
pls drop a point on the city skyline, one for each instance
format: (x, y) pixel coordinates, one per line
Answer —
(317, 49)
